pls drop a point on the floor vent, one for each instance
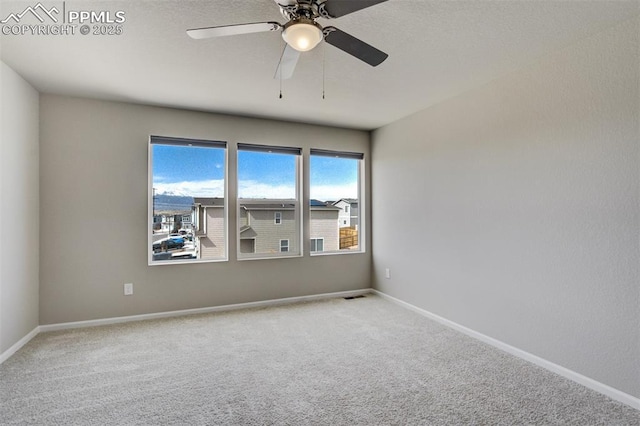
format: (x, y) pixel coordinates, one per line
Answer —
(354, 297)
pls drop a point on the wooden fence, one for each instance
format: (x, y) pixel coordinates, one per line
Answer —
(348, 238)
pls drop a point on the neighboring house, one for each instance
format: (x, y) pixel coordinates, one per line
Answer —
(348, 217)
(187, 224)
(324, 229)
(167, 223)
(208, 226)
(266, 227)
(157, 222)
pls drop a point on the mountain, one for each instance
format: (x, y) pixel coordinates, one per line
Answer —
(169, 203)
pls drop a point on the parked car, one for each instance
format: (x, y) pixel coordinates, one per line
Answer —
(171, 243)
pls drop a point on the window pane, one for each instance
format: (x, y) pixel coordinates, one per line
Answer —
(268, 204)
(317, 244)
(188, 201)
(266, 175)
(334, 216)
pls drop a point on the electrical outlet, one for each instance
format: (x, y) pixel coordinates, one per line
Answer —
(128, 289)
(387, 273)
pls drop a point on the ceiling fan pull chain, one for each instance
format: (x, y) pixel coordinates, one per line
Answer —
(323, 66)
(280, 73)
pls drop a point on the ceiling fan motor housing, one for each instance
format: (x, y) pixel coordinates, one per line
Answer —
(310, 9)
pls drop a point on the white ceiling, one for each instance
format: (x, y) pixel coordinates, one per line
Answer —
(437, 50)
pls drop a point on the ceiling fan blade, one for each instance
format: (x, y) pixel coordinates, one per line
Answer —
(227, 30)
(354, 46)
(338, 8)
(288, 62)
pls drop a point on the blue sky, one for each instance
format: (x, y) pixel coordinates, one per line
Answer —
(333, 178)
(264, 175)
(179, 163)
(199, 172)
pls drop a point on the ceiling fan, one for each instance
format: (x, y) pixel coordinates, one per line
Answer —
(302, 31)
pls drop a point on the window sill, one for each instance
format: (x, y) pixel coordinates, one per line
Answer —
(338, 253)
(267, 257)
(186, 261)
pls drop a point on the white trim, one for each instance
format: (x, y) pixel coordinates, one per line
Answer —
(223, 308)
(333, 253)
(267, 256)
(590, 383)
(548, 365)
(18, 345)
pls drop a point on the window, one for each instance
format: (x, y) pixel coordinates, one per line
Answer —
(188, 204)
(335, 213)
(269, 201)
(187, 200)
(317, 244)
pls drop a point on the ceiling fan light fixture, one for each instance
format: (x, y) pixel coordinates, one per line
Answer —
(302, 35)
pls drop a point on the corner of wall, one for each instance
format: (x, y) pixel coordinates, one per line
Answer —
(19, 190)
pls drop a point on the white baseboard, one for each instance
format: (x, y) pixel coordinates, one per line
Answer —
(541, 362)
(157, 315)
(19, 344)
(558, 369)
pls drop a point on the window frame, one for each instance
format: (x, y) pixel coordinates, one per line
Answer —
(179, 141)
(297, 202)
(305, 243)
(277, 218)
(316, 245)
(362, 211)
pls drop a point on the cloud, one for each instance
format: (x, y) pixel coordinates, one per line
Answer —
(253, 189)
(200, 188)
(334, 192)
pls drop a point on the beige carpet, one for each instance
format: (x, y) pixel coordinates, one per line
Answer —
(365, 361)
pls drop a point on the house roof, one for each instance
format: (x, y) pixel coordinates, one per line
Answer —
(209, 201)
(347, 200)
(268, 206)
(219, 202)
(322, 205)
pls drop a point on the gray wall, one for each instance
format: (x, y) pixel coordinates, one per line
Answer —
(94, 215)
(513, 209)
(19, 256)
